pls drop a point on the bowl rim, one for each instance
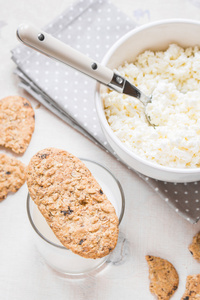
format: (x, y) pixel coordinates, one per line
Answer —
(100, 110)
(120, 218)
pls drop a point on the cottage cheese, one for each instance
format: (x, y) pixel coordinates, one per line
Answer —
(173, 79)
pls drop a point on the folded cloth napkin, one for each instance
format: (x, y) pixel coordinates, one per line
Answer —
(90, 26)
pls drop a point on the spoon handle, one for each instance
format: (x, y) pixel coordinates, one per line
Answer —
(45, 43)
(54, 48)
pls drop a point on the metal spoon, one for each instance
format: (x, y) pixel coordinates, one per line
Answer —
(52, 47)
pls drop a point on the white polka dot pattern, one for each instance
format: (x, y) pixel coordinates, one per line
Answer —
(90, 26)
(182, 197)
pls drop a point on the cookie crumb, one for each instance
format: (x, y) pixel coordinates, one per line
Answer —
(38, 106)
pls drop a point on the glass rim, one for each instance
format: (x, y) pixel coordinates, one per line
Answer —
(61, 246)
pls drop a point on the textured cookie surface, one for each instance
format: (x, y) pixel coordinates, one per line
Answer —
(192, 289)
(17, 123)
(12, 175)
(195, 247)
(163, 277)
(73, 203)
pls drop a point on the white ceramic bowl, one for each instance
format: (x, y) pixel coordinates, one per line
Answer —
(154, 36)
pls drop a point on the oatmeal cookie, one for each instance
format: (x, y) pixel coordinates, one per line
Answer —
(12, 175)
(163, 277)
(192, 289)
(17, 123)
(73, 203)
(195, 247)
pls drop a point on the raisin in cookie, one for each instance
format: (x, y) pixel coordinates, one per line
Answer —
(192, 289)
(12, 175)
(163, 277)
(195, 247)
(73, 203)
(17, 123)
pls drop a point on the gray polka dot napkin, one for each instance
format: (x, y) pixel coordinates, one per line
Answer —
(90, 26)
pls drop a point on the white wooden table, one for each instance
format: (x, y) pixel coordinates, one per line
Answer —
(149, 225)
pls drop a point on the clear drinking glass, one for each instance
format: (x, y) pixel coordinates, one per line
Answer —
(55, 254)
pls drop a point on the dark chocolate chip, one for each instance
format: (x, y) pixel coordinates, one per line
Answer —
(101, 192)
(186, 298)
(8, 172)
(81, 242)
(150, 258)
(190, 293)
(64, 212)
(191, 252)
(26, 104)
(43, 156)
(67, 212)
